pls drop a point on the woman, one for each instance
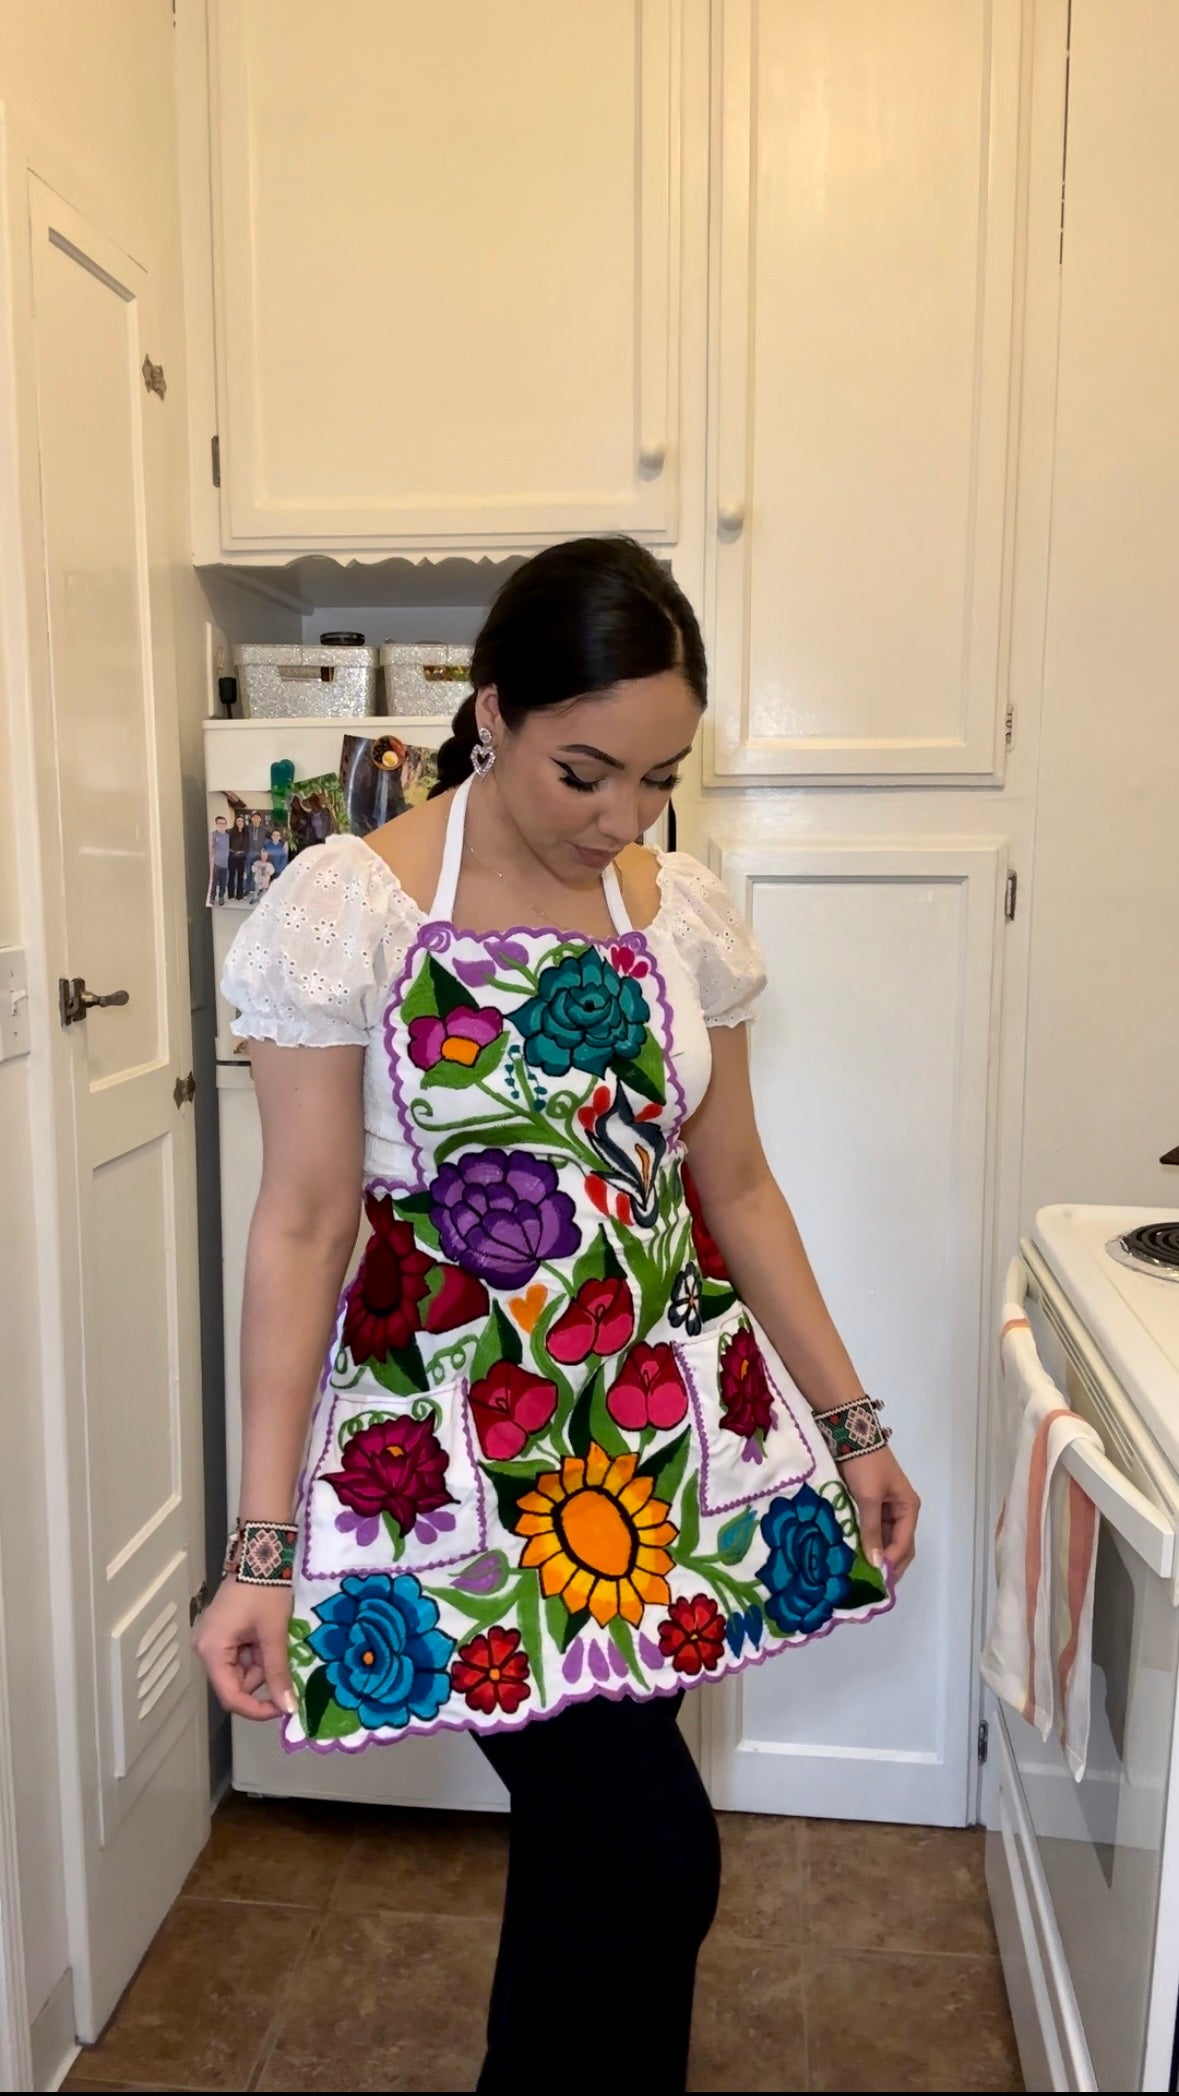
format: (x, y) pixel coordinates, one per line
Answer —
(239, 853)
(556, 1473)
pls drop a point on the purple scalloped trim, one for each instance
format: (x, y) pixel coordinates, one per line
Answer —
(439, 938)
(613, 1693)
(434, 1564)
(780, 1484)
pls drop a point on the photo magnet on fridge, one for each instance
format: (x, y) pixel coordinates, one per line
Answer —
(247, 849)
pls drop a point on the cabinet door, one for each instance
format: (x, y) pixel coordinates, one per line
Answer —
(873, 1074)
(446, 239)
(867, 157)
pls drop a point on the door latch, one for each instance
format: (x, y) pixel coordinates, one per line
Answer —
(184, 1091)
(74, 1000)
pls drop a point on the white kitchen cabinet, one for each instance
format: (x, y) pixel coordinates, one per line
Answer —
(446, 261)
(866, 204)
(874, 1071)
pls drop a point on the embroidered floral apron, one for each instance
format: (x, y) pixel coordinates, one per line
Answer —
(553, 1456)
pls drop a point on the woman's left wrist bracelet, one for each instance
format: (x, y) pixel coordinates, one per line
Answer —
(261, 1554)
(854, 1428)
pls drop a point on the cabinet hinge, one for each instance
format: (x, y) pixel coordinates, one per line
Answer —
(984, 1740)
(215, 449)
(199, 1602)
(1068, 40)
(1010, 895)
(1009, 727)
(153, 377)
(184, 1091)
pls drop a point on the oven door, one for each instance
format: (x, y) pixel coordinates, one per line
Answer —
(1101, 1842)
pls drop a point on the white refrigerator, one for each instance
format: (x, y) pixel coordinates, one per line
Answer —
(448, 1770)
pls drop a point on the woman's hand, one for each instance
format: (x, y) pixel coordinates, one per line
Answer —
(887, 1506)
(241, 1641)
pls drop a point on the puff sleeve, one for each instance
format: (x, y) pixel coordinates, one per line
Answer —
(712, 939)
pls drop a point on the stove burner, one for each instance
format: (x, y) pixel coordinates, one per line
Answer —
(1153, 1249)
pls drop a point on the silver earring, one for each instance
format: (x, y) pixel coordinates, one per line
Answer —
(483, 754)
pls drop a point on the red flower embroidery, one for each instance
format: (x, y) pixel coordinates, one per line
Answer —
(627, 961)
(587, 1115)
(509, 1406)
(648, 1390)
(395, 1466)
(383, 1309)
(692, 1635)
(599, 1320)
(492, 1672)
(708, 1253)
(744, 1386)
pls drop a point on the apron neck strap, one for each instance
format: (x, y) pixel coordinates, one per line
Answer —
(442, 907)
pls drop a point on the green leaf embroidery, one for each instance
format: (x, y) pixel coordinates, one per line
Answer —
(714, 1301)
(528, 1619)
(863, 1593)
(338, 1723)
(736, 1536)
(574, 1625)
(393, 1531)
(404, 1373)
(298, 1630)
(654, 1286)
(481, 1612)
(667, 1465)
(433, 994)
(580, 1427)
(419, 1001)
(623, 1637)
(456, 1076)
(602, 1428)
(689, 1519)
(317, 1694)
(498, 1341)
(414, 1209)
(646, 1073)
(864, 1573)
(556, 1617)
(509, 1491)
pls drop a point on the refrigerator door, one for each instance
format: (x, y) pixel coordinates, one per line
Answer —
(446, 1771)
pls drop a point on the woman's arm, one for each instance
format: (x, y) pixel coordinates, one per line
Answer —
(751, 1222)
(301, 1238)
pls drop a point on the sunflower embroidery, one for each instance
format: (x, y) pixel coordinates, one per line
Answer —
(598, 1536)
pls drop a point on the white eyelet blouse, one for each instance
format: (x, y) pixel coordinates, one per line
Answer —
(312, 966)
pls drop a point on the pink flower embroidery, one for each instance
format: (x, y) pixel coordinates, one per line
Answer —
(459, 1038)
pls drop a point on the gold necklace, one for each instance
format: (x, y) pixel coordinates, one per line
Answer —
(544, 909)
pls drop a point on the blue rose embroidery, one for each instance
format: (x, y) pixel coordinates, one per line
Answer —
(386, 1658)
(807, 1573)
(584, 1016)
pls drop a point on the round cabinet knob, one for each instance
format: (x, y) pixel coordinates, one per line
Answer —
(731, 517)
(653, 458)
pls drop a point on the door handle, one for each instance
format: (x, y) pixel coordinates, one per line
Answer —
(74, 1000)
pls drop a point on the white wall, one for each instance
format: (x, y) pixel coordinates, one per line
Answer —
(1102, 1096)
(88, 101)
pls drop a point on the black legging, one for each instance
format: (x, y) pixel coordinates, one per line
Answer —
(613, 1876)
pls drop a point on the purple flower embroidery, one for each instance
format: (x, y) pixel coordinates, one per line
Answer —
(483, 1575)
(459, 1038)
(499, 953)
(499, 1214)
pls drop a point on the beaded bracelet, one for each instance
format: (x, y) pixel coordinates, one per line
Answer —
(854, 1428)
(261, 1553)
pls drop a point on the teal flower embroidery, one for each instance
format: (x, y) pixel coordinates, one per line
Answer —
(584, 1016)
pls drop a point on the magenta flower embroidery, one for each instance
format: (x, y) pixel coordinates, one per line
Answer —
(459, 1038)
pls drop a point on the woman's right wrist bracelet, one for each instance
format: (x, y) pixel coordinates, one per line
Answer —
(854, 1428)
(261, 1553)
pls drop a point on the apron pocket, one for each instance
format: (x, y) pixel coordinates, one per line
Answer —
(393, 1484)
(747, 1414)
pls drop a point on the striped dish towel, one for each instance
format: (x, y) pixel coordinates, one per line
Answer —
(1037, 1656)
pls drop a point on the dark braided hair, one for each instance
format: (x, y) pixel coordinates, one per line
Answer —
(575, 619)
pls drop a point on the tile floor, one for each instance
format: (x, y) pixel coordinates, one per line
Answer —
(305, 1954)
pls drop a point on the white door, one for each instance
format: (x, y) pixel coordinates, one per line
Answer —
(872, 1071)
(446, 242)
(865, 212)
(115, 909)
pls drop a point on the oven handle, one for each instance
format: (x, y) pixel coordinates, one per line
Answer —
(1147, 1531)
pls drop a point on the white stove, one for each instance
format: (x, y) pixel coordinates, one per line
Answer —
(1084, 1877)
(1131, 1311)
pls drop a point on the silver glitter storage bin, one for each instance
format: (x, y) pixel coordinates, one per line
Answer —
(276, 683)
(429, 680)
